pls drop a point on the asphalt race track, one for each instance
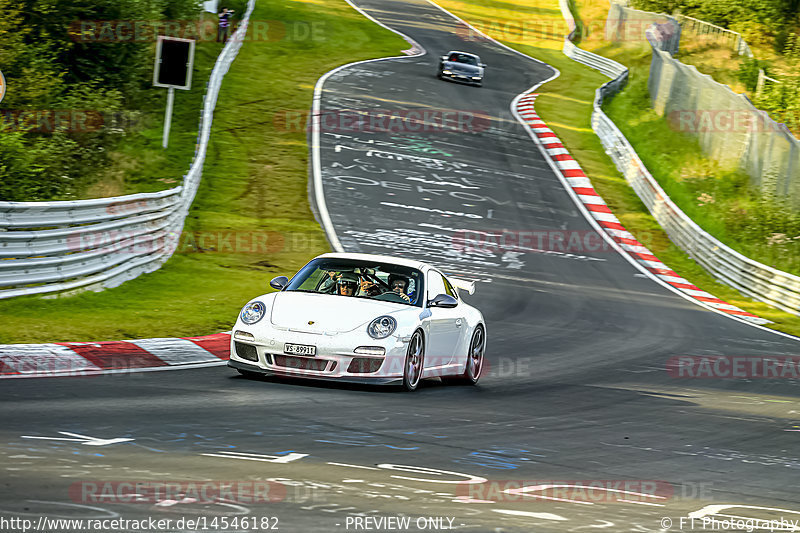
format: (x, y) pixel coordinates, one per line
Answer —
(577, 391)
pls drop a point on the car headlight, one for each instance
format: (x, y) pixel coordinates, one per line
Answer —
(382, 327)
(253, 312)
(447, 72)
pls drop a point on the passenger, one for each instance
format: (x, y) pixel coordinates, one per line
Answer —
(347, 284)
(329, 285)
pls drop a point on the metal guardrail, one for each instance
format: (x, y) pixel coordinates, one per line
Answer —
(761, 282)
(48, 247)
(606, 66)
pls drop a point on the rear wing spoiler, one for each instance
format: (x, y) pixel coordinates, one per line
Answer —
(463, 284)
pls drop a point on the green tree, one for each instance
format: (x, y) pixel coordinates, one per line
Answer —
(50, 64)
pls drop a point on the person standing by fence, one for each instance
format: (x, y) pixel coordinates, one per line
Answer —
(224, 24)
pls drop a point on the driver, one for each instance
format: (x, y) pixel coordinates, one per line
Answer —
(399, 285)
(347, 284)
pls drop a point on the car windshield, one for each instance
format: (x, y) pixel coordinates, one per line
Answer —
(464, 58)
(360, 279)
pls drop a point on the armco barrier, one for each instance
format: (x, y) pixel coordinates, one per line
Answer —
(49, 247)
(759, 281)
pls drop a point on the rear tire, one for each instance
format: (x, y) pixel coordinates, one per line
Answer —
(472, 372)
(415, 359)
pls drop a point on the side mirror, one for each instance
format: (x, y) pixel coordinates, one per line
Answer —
(279, 283)
(443, 300)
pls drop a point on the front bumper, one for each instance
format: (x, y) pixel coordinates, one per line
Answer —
(335, 358)
(463, 78)
(240, 365)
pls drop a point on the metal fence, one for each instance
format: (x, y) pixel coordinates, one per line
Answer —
(49, 247)
(762, 80)
(727, 125)
(759, 281)
(629, 25)
(709, 31)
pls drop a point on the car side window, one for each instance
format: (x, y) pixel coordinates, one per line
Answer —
(435, 285)
(450, 290)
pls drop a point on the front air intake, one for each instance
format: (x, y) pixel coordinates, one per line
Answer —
(365, 365)
(246, 351)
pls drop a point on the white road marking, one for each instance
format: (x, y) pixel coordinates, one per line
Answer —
(545, 516)
(423, 470)
(280, 459)
(83, 439)
(354, 466)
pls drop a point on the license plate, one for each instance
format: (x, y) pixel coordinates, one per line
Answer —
(299, 349)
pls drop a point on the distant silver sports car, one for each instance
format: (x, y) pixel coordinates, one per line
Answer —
(363, 318)
(461, 66)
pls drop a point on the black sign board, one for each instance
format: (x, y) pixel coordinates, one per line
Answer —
(174, 58)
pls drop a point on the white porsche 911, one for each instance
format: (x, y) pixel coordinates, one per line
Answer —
(362, 318)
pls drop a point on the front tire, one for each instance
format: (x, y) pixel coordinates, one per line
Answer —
(472, 373)
(415, 358)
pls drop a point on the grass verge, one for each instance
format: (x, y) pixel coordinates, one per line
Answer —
(566, 105)
(251, 219)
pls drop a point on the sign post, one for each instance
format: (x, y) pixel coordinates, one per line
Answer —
(173, 70)
(168, 117)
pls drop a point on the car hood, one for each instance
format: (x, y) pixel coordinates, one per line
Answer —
(327, 313)
(462, 67)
